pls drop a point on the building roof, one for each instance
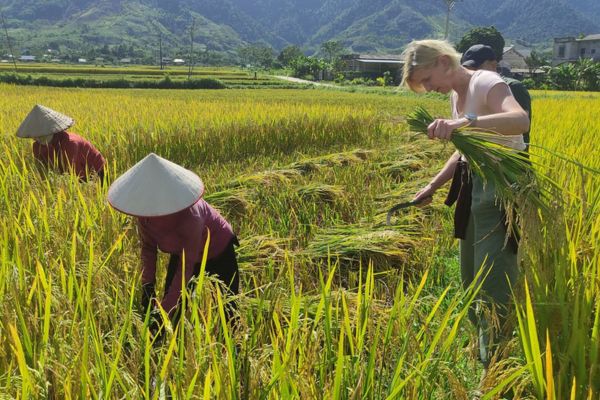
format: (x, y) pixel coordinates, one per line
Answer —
(592, 37)
(573, 39)
(381, 57)
(387, 58)
(523, 52)
(380, 61)
(526, 71)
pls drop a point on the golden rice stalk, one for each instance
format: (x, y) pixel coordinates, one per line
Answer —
(260, 249)
(321, 192)
(234, 202)
(510, 171)
(401, 169)
(264, 178)
(354, 244)
(330, 160)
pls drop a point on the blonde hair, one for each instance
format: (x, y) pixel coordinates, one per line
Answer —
(425, 54)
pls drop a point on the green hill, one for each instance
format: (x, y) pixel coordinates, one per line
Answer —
(96, 27)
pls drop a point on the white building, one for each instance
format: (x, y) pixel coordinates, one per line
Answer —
(373, 65)
(514, 58)
(570, 49)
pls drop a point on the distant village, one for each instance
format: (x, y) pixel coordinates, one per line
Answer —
(52, 56)
(519, 61)
(514, 60)
(565, 50)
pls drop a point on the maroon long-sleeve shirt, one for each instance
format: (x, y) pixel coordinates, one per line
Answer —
(69, 150)
(183, 233)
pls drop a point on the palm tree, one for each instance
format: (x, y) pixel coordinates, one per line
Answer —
(449, 6)
(588, 74)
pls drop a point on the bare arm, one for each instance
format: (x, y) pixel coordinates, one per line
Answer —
(507, 117)
(446, 173)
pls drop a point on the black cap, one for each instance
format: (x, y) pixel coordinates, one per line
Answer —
(477, 55)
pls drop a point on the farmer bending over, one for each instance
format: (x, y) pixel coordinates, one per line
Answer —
(56, 148)
(172, 216)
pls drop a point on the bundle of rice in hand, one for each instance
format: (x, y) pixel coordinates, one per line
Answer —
(509, 170)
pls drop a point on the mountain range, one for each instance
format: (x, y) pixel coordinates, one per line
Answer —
(223, 26)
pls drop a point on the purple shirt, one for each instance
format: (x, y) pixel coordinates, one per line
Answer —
(69, 150)
(183, 233)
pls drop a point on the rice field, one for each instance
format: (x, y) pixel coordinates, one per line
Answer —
(334, 304)
(235, 78)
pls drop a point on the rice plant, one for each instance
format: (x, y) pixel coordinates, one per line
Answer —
(71, 325)
(322, 193)
(510, 171)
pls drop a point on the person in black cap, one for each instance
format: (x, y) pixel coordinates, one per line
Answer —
(480, 56)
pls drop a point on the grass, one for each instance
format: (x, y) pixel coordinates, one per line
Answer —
(333, 304)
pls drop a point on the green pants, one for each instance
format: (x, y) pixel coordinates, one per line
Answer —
(483, 250)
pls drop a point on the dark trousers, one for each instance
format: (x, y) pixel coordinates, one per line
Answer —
(224, 267)
(102, 177)
(483, 252)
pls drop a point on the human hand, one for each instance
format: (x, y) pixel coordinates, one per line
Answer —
(155, 325)
(443, 128)
(424, 196)
(148, 295)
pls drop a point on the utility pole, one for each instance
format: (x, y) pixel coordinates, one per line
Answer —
(449, 6)
(160, 56)
(12, 53)
(191, 69)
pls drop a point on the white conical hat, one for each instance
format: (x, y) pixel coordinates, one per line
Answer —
(43, 121)
(154, 187)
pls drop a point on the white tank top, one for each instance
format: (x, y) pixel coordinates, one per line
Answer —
(481, 83)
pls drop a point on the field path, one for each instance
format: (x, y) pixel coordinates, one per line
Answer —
(304, 81)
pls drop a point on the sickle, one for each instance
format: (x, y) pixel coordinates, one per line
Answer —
(400, 207)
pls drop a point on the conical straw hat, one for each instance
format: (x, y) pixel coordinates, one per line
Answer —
(154, 187)
(43, 121)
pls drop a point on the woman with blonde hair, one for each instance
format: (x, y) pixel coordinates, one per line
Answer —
(479, 99)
